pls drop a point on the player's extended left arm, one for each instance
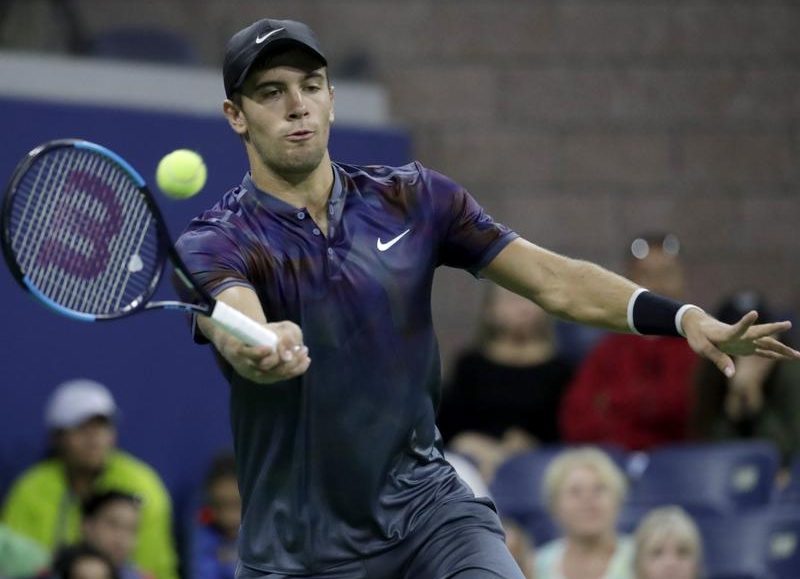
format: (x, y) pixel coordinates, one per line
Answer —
(584, 292)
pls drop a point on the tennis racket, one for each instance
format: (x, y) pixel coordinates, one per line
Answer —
(82, 233)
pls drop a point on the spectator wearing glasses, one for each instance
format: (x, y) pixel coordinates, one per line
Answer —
(636, 391)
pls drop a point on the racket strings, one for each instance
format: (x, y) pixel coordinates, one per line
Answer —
(73, 214)
(63, 288)
(82, 232)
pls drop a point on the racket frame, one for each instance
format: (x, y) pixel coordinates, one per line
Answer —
(166, 251)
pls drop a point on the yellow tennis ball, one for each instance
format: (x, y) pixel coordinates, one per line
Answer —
(181, 174)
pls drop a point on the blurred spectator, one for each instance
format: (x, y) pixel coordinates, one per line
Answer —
(505, 392)
(82, 562)
(667, 546)
(636, 391)
(44, 502)
(521, 547)
(110, 523)
(584, 490)
(214, 537)
(469, 473)
(762, 400)
(20, 556)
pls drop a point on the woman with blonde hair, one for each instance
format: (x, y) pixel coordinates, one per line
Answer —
(667, 546)
(584, 490)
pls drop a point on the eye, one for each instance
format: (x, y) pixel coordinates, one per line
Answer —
(269, 93)
(312, 88)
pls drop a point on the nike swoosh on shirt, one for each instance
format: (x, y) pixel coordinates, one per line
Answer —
(261, 38)
(384, 246)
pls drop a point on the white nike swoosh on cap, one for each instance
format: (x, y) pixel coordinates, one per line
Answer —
(384, 246)
(262, 37)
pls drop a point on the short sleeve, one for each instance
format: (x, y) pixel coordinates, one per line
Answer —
(470, 238)
(215, 254)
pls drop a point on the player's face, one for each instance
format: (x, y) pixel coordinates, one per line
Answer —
(113, 530)
(87, 446)
(586, 506)
(669, 557)
(285, 115)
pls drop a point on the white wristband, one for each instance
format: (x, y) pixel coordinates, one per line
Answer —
(632, 301)
(679, 317)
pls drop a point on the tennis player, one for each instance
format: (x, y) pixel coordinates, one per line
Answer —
(339, 461)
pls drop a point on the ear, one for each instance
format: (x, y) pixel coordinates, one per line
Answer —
(235, 117)
(331, 115)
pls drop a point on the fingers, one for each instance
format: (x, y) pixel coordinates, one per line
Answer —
(272, 368)
(762, 330)
(747, 320)
(776, 347)
(263, 364)
(720, 359)
(768, 354)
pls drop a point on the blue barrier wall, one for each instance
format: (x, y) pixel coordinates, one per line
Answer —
(173, 399)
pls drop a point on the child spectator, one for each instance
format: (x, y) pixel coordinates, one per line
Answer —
(214, 540)
(110, 524)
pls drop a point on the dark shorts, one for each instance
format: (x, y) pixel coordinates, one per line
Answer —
(461, 540)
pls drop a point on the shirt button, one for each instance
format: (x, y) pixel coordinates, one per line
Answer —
(301, 215)
(330, 210)
(316, 231)
(330, 251)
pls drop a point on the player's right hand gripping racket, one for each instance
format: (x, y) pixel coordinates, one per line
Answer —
(82, 233)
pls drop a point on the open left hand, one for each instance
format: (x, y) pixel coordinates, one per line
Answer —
(718, 341)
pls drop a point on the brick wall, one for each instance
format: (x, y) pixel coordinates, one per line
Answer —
(578, 122)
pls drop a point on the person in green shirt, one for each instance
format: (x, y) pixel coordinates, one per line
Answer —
(20, 556)
(44, 502)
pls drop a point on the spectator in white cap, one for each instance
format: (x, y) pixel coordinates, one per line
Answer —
(44, 502)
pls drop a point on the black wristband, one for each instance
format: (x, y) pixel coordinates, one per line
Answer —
(654, 315)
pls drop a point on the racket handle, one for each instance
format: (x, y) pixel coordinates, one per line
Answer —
(246, 329)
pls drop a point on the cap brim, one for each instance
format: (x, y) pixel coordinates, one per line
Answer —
(277, 45)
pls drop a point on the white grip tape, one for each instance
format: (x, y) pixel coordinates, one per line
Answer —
(246, 329)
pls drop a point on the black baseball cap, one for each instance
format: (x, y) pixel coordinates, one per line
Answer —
(266, 35)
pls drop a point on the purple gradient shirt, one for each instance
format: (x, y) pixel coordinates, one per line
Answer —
(345, 460)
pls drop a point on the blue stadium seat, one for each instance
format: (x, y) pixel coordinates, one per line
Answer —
(757, 545)
(630, 516)
(708, 479)
(144, 44)
(791, 493)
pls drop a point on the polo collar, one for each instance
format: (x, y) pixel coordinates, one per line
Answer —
(281, 207)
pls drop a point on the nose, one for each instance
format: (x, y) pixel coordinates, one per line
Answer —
(296, 105)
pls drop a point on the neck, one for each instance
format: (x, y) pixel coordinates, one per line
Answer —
(81, 481)
(310, 190)
(592, 545)
(515, 353)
